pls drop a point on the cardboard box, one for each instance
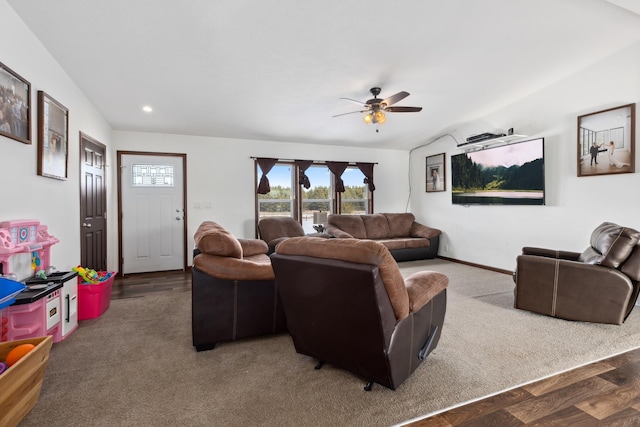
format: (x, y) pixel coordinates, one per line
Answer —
(94, 299)
(20, 385)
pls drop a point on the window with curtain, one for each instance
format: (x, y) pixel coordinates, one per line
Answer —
(298, 189)
(355, 199)
(279, 200)
(319, 196)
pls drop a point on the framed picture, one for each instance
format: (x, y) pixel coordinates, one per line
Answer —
(436, 174)
(53, 141)
(15, 106)
(606, 141)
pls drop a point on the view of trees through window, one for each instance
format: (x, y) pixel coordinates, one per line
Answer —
(280, 201)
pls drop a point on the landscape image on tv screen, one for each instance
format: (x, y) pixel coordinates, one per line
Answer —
(507, 175)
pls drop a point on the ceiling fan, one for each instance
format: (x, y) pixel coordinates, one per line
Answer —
(376, 107)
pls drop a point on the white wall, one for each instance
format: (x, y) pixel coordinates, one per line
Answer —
(221, 171)
(489, 235)
(495, 235)
(25, 195)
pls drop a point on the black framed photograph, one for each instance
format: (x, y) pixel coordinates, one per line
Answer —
(15, 106)
(53, 141)
(606, 141)
(436, 173)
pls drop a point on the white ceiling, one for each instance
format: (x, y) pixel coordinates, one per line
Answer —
(275, 70)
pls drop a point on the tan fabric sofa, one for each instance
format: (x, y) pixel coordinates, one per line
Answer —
(405, 238)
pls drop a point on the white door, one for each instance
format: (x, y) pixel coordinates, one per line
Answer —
(152, 213)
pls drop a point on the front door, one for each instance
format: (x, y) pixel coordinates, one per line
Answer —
(152, 212)
(93, 204)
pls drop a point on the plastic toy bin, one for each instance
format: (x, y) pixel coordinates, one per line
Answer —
(20, 385)
(94, 298)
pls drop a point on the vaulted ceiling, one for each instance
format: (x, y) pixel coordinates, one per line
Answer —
(276, 70)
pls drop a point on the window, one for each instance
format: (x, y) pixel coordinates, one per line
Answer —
(287, 197)
(355, 199)
(279, 201)
(318, 197)
(151, 176)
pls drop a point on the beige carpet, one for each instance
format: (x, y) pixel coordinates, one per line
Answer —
(135, 365)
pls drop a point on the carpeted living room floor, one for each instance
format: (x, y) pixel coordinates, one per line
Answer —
(135, 365)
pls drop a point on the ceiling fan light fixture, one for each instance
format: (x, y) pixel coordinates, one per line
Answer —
(368, 118)
(380, 118)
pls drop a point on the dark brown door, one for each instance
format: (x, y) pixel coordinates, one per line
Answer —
(93, 204)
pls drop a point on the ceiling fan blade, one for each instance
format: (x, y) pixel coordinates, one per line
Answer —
(395, 98)
(403, 109)
(354, 100)
(353, 112)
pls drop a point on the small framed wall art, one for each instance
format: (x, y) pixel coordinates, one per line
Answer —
(436, 173)
(606, 141)
(15, 106)
(53, 141)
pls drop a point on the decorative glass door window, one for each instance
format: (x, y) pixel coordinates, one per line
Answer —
(151, 176)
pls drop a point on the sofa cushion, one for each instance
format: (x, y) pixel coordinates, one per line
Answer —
(211, 238)
(351, 224)
(252, 247)
(611, 244)
(400, 223)
(358, 251)
(376, 226)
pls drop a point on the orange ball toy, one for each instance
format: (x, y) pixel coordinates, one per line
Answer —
(18, 353)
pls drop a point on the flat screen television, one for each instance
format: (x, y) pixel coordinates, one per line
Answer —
(507, 175)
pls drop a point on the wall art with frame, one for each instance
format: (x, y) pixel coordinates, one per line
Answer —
(606, 141)
(53, 137)
(436, 173)
(15, 106)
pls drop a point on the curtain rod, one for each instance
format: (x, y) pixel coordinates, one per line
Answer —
(314, 161)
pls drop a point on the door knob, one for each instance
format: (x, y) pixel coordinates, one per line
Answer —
(85, 225)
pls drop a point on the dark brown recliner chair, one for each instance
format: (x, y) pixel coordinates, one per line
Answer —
(598, 285)
(347, 304)
(233, 289)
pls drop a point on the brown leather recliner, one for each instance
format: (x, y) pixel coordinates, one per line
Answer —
(233, 289)
(347, 304)
(598, 285)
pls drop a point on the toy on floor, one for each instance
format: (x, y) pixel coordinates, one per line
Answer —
(92, 276)
(89, 276)
(18, 353)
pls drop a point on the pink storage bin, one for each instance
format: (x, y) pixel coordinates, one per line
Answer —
(94, 299)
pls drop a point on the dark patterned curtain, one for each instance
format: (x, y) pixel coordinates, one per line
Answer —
(338, 168)
(303, 165)
(265, 166)
(367, 170)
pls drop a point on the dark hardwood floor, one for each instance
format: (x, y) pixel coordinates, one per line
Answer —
(141, 284)
(603, 393)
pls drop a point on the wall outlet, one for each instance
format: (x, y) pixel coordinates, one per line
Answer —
(446, 248)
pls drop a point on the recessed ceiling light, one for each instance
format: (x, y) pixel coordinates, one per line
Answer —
(147, 109)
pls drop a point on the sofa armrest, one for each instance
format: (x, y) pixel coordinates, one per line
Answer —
(229, 268)
(551, 253)
(423, 286)
(420, 230)
(253, 247)
(337, 233)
